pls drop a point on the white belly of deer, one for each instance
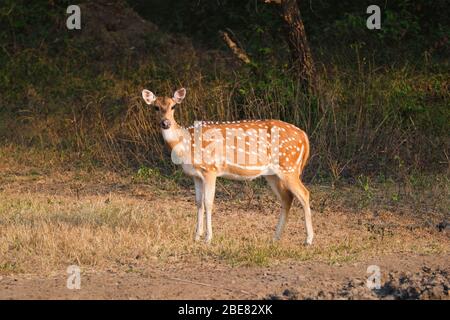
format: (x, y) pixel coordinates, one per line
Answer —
(261, 171)
(190, 170)
(233, 176)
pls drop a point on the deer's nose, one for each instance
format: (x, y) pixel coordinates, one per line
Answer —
(165, 124)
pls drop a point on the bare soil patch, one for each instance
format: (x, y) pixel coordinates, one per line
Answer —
(406, 277)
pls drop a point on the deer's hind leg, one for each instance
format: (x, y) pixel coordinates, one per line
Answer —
(285, 197)
(294, 184)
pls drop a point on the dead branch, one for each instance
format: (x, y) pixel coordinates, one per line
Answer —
(238, 52)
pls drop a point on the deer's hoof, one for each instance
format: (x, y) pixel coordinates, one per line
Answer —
(309, 241)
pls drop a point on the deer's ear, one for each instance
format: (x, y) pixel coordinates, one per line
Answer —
(179, 95)
(148, 96)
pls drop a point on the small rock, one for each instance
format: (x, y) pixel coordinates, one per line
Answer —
(437, 292)
(426, 269)
(443, 226)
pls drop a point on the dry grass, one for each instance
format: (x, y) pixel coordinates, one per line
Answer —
(101, 221)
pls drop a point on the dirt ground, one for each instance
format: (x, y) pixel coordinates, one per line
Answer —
(405, 277)
(134, 240)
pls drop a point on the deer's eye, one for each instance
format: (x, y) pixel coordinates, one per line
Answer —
(156, 108)
(173, 108)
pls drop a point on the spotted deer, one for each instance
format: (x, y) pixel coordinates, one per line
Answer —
(238, 150)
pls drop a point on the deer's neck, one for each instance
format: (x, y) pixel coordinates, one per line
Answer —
(173, 135)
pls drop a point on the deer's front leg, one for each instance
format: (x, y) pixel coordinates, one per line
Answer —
(209, 189)
(200, 203)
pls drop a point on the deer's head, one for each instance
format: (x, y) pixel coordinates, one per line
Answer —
(165, 106)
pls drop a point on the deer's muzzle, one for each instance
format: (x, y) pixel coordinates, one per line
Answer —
(165, 124)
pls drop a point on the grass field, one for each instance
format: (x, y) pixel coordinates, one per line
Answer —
(51, 218)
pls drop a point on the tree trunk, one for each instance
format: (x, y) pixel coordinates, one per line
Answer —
(302, 60)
